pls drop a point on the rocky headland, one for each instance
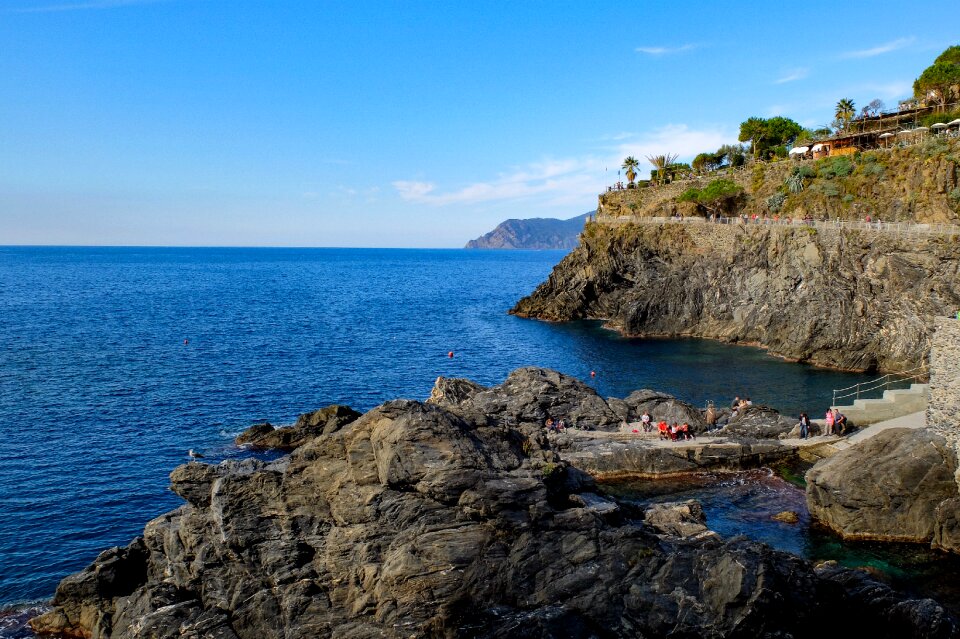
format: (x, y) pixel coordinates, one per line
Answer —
(848, 299)
(461, 517)
(534, 233)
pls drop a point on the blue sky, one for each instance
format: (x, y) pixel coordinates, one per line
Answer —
(408, 124)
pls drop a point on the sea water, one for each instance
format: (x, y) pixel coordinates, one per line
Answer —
(115, 361)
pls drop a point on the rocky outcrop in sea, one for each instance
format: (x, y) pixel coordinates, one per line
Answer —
(848, 299)
(456, 518)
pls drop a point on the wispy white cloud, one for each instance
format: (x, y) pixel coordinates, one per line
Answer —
(893, 45)
(792, 75)
(81, 6)
(567, 181)
(658, 51)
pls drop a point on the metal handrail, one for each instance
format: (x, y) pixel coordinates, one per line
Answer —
(918, 373)
(897, 228)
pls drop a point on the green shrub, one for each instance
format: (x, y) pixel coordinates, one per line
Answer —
(690, 195)
(829, 168)
(775, 202)
(955, 195)
(828, 189)
(794, 183)
(872, 169)
(805, 171)
(847, 199)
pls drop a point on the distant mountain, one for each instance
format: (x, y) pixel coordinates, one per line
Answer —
(536, 233)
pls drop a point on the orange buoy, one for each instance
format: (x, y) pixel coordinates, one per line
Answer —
(450, 354)
(593, 373)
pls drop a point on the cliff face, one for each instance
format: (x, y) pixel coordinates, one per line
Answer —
(843, 298)
(454, 518)
(919, 183)
(536, 233)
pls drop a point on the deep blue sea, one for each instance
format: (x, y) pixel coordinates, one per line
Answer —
(115, 361)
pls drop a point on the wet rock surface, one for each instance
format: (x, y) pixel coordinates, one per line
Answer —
(454, 519)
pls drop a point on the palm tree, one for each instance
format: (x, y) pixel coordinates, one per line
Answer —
(630, 164)
(845, 111)
(661, 162)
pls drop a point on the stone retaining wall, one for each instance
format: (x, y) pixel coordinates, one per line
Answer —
(943, 411)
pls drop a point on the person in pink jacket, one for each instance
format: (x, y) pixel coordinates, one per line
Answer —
(829, 420)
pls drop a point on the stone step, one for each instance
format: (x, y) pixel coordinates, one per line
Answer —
(894, 403)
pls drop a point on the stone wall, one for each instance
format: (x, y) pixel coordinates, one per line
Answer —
(943, 411)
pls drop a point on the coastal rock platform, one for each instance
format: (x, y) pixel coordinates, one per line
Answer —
(455, 518)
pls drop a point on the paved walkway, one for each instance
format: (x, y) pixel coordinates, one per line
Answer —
(652, 440)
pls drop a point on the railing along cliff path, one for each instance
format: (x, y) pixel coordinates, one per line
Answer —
(905, 229)
(920, 373)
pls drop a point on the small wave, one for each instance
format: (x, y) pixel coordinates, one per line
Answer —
(14, 618)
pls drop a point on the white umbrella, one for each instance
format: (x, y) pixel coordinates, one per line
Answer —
(921, 129)
(938, 125)
(904, 132)
(816, 147)
(798, 149)
(886, 135)
(957, 122)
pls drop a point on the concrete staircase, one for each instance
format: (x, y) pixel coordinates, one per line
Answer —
(895, 403)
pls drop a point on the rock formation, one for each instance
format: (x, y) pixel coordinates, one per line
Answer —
(896, 486)
(453, 519)
(848, 299)
(535, 233)
(309, 425)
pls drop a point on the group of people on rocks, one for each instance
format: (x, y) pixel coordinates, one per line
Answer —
(835, 423)
(555, 426)
(675, 432)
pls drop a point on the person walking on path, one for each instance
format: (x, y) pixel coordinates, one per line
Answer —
(829, 419)
(804, 426)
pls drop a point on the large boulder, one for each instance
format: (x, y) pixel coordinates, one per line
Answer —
(758, 422)
(886, 488)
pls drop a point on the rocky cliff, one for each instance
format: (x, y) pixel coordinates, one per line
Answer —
(454, 518)
(535, 233)
(850, 299)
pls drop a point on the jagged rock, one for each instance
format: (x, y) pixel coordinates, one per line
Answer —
(946, 530)
(842, 298)
(787, 517)
(309, 425)
(452, 392)
(757, 422)
(416, 520)
(663, 407)
(684, 519)
(887, 487)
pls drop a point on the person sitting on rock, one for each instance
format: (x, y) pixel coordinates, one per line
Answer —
(561, 425)
(647, 422)
(662, 428)
(674, 431)
(685, 431)
(550, 425)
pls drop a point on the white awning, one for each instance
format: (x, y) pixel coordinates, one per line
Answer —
(799, 149)
(816, 147)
